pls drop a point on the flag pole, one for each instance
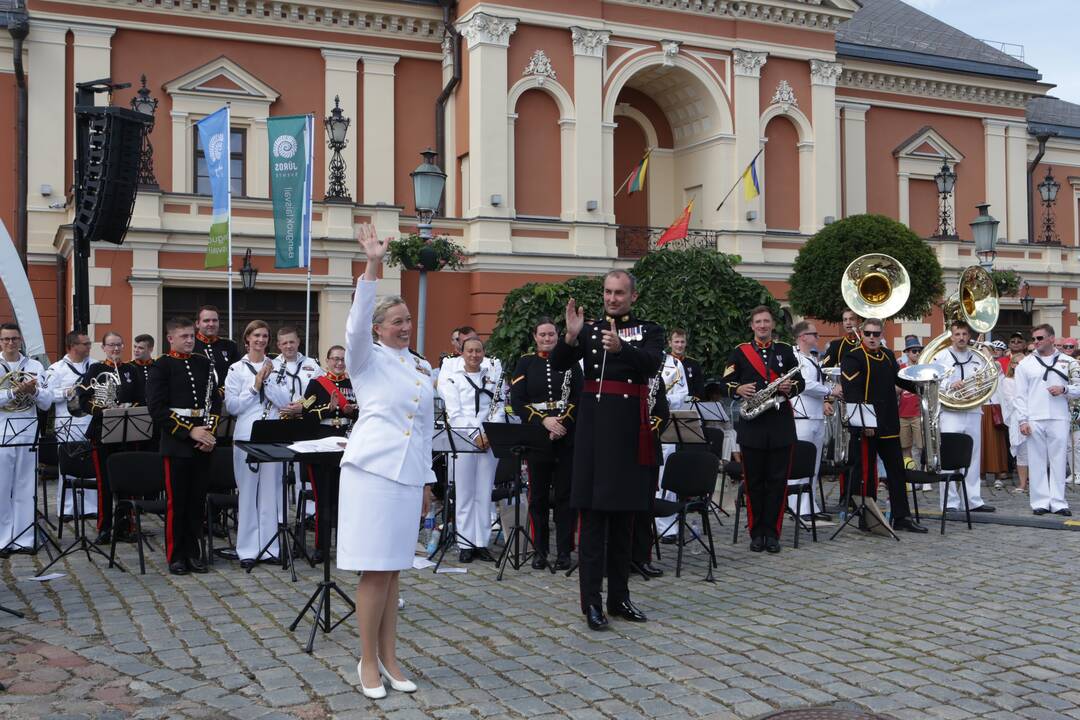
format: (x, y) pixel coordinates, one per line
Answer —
(647, 154)
(739, 179)
(228, 236)
(310, 128)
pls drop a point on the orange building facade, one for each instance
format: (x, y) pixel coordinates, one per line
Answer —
(548, 106)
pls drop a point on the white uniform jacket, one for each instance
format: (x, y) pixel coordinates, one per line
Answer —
(1034, 375)
(293, 376)
(61, 376)
(42, 398)
(246, 403)
(810, 403)
(468, 404)
(675, 386)
(960, 366)
(492, 366)
(392, 434)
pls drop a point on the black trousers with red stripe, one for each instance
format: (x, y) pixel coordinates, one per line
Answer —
(186, 481)
(766, 471)
(605, 543)
(549, 487)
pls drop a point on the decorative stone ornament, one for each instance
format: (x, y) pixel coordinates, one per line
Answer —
(749, 64)
(671, 49)
(484, 29)
(589, 42)
(540, 67)
(784, 96)
(825, 73)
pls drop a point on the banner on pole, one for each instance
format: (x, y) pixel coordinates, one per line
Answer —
(214, 140)
(290, 188)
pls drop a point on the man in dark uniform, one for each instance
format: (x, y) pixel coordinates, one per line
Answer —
(766, 441)
(613, 446)
(332, 404)
(222, 351)
(868, 376)
(142, 357)
(541, 396)
(644, 522)
(695, 375)
(185, 402)
(124, 379)
(841, 346)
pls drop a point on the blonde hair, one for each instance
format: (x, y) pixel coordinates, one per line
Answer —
(381, 308)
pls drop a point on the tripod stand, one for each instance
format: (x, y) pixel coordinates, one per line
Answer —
(864, 509)
(275, 452)
(451, 442)
(24, 437)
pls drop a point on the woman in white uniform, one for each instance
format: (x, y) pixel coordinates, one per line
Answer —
(248, 397)
(387, 462)
(469, 393)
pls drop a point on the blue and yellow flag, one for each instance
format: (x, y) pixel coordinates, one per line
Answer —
(751, 186)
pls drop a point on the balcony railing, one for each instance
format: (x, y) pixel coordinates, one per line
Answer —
(634, 241)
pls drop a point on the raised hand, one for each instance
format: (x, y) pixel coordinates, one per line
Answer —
(575, 320)
(610, 339)
(374, 247)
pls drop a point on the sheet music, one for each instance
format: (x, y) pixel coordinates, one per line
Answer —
(684, 427)
(321, 445)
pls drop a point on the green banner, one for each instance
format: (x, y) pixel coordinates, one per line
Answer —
(288, 187)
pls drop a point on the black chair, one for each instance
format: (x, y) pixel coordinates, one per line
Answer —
(803, 464)
(221, 499)
(48, 469)
(956, 451)
(75, 465)
(138, 481)
(715, 444)
(691, 476)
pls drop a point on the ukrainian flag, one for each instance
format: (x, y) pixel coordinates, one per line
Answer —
(751, 186)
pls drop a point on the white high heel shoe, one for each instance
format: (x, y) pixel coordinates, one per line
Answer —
(375, 693)
(405, 686)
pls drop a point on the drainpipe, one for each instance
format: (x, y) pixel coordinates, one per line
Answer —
(449, 11)
(1042, 138)
(19, 28)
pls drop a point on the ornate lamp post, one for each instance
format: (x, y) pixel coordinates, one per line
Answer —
(1027, 302)
(428, 184)
(337, 126)
(1048, 191)
(248, 272)
(984, 228)
(946, 182)
(143, 103)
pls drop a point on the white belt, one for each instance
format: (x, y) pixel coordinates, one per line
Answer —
(188, 412)
(336, 422)
(548, 405)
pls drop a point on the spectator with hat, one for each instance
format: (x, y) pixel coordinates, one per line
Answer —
(911, 434)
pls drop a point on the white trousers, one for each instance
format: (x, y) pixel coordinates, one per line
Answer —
(810, 431)
(89, 501)
(258, 506)
(17, 496)
(1046, 446)
(474, 478)
(970, 424)
(309, 505)
(666, 523)
(1072, 453)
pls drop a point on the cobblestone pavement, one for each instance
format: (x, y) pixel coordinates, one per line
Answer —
(970, 624)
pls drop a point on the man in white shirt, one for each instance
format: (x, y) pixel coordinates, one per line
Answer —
(456, 363)
(810, 410)
(60, 381)
(292, 372)
(1045, 382)
(961, 364)
(677, 390)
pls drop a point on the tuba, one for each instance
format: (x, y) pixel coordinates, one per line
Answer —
(875, 286)
(976, 303)
(836, 440)
(19, 401)
(927, 377)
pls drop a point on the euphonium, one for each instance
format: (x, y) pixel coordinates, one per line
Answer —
(19, 401)
(927, 377)
(836, 439)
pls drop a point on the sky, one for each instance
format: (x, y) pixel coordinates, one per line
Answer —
(1047, 30)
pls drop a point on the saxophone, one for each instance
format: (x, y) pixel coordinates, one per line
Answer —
(768, 398)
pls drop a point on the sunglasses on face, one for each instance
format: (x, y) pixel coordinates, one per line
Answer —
(872, 333)
(1068, 347)
(1038, 338)
(813, 334)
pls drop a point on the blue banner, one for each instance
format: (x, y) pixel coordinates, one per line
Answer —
(214, 140)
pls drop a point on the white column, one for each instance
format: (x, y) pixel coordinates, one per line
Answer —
(810, 219)
(567, 135)
(258, 165)
(995, 172)
(589, 48)
(45, 131)
(904, 198)
(378, 131)
(748, 134)
(339, 73)
(838, 159)
(146, 304)
(1016, 159)
(607, 139)
(93, 52)
(181, 158)
(823, 77)
(511, 185)
(854, 157)
(487, 38)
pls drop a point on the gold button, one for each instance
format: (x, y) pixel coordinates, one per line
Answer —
(625, 396)
(401, 358)
(409, 416)
(417, 383)
(406, 432)
(416, 399)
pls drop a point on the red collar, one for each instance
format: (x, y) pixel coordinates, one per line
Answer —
(109, 362)
(143, 363)
(678, 357)
(760, 345)
(337, 378)
(179, 355)
(208, 339)
(852, 337)
(543, 354)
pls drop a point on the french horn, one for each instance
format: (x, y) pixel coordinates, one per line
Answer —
(19, 401)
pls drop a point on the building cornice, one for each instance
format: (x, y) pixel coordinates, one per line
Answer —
(810, 14)
(940, 88)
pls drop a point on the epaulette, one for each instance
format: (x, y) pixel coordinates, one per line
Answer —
(417, 354)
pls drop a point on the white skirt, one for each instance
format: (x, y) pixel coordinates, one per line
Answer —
(378, 521)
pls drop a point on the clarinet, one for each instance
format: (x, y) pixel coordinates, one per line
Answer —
(211, 381)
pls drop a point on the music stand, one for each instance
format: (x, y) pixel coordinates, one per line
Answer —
(518, 442)
(451, 441)
(713, 415)
(23, 432)
(124, 425)
(862, 417)
(684, 427)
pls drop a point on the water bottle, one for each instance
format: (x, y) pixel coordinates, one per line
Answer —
(433, 542)
(428, 526)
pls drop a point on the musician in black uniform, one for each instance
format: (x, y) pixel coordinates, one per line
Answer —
(644, 522)
(222, 351)
(113, 347)
(614, 451)
(868, 375)
(695, 375)
(540, 395)
(841, 346)
(766, 441)
(142, 357)
(185, 402)
(332, 404)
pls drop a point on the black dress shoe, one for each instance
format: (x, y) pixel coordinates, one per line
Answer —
(1040, 511)
(247, 563)
(908, 525)
(984, 508)
(669, 539)
(483, 554)
(562, 562)
(627, 611)
(757, 544)
(178, 568)
(539, 561)
(1065, 512)
(772, 545)
(823, 516)
(647, 568)
(103, 538)
(596, 618)
(465, 556)
(196, 565)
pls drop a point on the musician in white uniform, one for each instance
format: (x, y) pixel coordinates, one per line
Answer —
(292, 372)
(19, 401)
(960, 365)
(810, 410)
(473, 396)
(60, 381)
(492, 366)
(1045, 382)
(387, 462)
(677, 391)
(249, 397)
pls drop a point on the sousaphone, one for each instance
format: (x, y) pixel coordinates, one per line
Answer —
(875, 286)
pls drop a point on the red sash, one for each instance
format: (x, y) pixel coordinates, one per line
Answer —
(754, 359)
(334, 390)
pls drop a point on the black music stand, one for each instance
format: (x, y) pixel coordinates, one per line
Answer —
(120, 426)
(713, 415)
(452, 442)
(518, 442)
(23, 432)
(319, 601)
(861, 417)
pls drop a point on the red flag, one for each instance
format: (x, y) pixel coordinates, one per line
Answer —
(678, 229)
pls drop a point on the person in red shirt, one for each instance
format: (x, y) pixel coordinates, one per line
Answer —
(910, 410)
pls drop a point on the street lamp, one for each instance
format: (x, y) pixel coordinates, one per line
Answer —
(984, 228)
(1027, 302)
(248, 272)
(143, 103)
(428, 184)
(946, 182)
(337, 127)
(1048, 190)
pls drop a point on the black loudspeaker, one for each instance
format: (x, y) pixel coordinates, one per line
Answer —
(107, 173)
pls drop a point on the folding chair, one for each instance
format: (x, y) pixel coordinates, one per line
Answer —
(691, 476)
(220, 496)
(956, 450)
(803, 457)
(138, 482)
(76, 469)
